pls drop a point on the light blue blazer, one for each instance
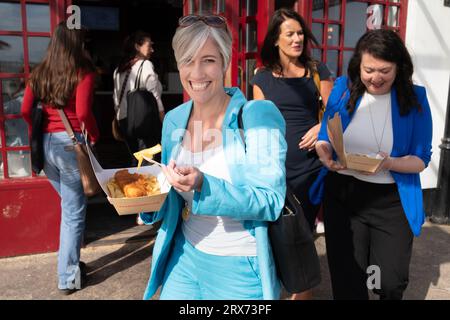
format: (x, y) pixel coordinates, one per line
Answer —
(256, 194)
(412, 136)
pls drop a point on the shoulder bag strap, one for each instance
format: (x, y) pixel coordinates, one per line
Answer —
(68, 126)
(138, 77)
(124, 84)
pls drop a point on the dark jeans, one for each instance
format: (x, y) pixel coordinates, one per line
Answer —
(136, 144)
(365, 226)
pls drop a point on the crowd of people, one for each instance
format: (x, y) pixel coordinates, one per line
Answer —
(230, 160)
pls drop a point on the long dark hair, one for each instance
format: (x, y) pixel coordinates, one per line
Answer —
(388, 46)
(270, 55)
(129, 49)
(64, 65)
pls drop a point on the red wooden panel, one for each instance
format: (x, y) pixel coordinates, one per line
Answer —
(29, 217)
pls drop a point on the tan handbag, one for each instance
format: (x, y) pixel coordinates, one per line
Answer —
(89, 181)
(116, 132)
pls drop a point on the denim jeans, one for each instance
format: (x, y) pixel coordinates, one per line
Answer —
(61, 168)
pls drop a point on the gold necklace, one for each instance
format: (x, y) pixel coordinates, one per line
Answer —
(373, 127)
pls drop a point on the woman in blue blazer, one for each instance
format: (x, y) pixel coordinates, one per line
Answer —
(213, 241)
(371, 218)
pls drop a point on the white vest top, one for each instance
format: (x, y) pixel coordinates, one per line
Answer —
(216, 235)
(369, 132)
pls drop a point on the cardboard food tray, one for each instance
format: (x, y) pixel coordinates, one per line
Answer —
(126, 206)
(352, 161)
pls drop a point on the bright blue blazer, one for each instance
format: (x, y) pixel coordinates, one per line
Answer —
(256, 194)
(412, 136)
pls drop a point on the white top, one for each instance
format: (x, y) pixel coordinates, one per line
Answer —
(149, 80)
(216, 235)
(370, 132)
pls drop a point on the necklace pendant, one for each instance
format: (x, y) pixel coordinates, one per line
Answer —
(185, 213)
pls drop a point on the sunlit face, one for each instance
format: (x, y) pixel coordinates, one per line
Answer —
(146, 49)
(202, 77)
(376, 74)
(290, 40)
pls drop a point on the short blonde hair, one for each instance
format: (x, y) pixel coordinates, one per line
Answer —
(187, 41)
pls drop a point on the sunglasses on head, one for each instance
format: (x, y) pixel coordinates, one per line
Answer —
(213, 20)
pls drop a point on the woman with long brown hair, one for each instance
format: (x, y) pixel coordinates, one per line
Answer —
(65, 80)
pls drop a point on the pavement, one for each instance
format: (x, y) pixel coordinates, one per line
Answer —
(120, 271)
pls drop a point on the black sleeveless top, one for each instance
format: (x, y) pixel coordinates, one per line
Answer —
(296, 98)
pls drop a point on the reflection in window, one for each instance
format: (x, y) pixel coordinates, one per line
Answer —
(10, 17)
(355, 22)
(38, 17)
(11, 58)
(19, 164)
(332, 62)
(16, 132)
(36, 48)
(333, 34)
(12, 95)
(252, 45)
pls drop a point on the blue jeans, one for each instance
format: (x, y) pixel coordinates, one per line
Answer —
(194, 275)
(61, 168)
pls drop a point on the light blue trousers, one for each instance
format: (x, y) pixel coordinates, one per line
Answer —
(61, 168)
(194, 275)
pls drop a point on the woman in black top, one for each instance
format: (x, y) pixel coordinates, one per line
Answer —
(287, 80)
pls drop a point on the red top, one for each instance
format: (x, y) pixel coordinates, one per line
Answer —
(78, 110)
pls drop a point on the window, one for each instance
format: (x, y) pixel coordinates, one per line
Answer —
(24, 35)
(338, 24)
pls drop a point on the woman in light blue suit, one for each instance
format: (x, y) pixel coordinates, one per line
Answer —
(213, 241)
(371, 218)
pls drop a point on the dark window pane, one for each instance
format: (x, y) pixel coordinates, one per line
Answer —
(10, 17)
(317, 54)
(11, 56)
(38, 17)
(252, 7)
(250, 66)
(317, 30)
(318, 6)
(12, 95)
(36, 48)
(334, 10)
(16, 132)
(346, 59)
(332, 61)
(355, 22)
(252, 45)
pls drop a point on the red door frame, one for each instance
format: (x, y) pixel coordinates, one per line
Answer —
(29, 207)
(305, 9)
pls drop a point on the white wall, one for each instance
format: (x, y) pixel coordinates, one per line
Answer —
(428, 41)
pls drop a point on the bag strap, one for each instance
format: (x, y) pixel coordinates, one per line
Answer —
(124, 84)
(138, 77)
(241, 125)
(316, 78)
(68, 126)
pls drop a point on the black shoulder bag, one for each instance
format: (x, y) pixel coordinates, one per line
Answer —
(37, 138)
(142, 112)
(290, 237)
